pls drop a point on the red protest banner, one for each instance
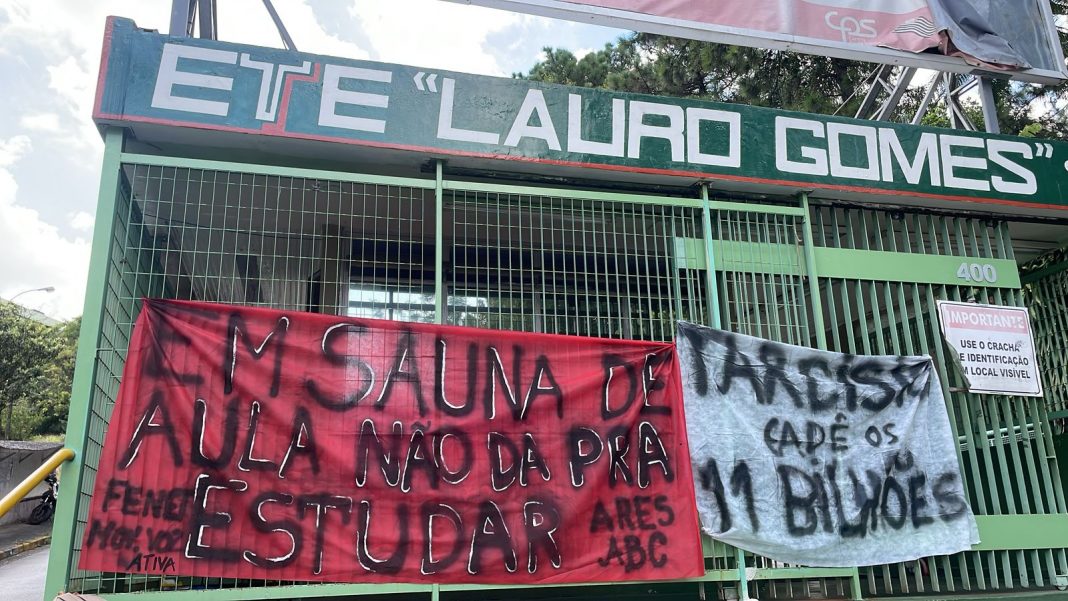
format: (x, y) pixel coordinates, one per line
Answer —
(254, 443)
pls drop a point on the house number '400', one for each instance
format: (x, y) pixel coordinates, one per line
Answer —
(977, 272)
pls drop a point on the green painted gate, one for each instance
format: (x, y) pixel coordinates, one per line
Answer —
(574, 262)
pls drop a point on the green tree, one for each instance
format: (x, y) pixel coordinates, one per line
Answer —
(54, 404)
(36, 368)
(668, 66)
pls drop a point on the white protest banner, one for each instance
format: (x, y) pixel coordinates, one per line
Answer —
(994, 347)
(819, 458)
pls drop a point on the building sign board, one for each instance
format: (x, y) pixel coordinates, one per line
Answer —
(993, 346)
(194, 83)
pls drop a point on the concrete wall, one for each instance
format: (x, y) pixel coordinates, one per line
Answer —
(14, 467)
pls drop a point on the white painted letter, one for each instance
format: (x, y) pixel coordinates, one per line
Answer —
(950, 161)
(267, 106)
(835, 131)
(169, 76)
(995, 149)
(333, 95)
(694, 117)
(445, 129)
(817, 164)
(575, 143)
(926, 150)
(533, 105)
(672, 132)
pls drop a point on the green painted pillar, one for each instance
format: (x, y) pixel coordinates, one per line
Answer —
(64, 524)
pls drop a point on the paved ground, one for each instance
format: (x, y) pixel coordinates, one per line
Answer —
(14, 538)
(22, 577)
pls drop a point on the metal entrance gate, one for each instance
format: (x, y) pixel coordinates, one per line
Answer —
(1005, 443)
(571, 262)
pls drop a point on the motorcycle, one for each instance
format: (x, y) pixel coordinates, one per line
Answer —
(44, 510)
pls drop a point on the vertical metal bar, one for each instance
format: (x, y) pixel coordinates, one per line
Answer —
(792, 283)
(641, 245)
(710, 259)
(848, 322)
(65, 523)
(753, 259)
(833, 314)
(181, 17)
(208, 21)
(439, 245)
(813, 276)
(818, 221)
(990, 108)
(816, 303)
(675, 271)
(854, 586)
(743, 578)
(778, 330)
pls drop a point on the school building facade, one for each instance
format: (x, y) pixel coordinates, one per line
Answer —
(264, 177)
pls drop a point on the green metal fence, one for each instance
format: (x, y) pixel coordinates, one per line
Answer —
(1046, 292)
(570, 266)
(571, 262)
(1005, 442)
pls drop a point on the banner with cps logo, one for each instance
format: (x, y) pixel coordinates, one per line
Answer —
(899, 24)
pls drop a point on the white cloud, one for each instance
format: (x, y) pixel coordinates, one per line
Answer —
(12, 149)
(82, 221)
(431, 33)
(35, 254)
(74, 85)
(247, 21)
(46, 122)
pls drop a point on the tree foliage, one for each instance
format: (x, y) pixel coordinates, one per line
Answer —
(36, 369)
(667, 66)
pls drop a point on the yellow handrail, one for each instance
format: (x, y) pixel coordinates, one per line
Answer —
(12, 498)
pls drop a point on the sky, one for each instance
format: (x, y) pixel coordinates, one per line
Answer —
(50, 151)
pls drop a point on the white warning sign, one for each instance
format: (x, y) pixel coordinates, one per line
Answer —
(994, 347)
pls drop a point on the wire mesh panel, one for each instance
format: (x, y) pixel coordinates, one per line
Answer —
(284, 242)
(573, 266)
(762, 277)
(1047, 299)
(1005, 448)
(295, 243)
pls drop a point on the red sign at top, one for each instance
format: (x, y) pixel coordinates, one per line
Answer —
(253, 443)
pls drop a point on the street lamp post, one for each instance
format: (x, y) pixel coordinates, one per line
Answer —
(47, 289)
